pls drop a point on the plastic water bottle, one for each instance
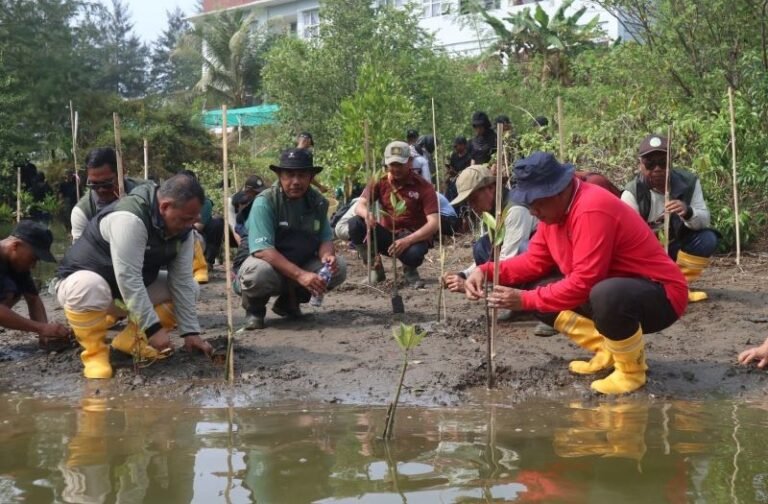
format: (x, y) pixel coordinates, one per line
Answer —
(325, 274)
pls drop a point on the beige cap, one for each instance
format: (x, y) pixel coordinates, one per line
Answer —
(397, 152)
(471, 179)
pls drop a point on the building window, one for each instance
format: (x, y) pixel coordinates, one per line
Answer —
(310, 22)
(432, 8)
(392, 3)
(468, 6)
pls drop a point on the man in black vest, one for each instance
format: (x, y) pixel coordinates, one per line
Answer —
(691, 242)
(289, 241)
(119, 257)
(102, 184)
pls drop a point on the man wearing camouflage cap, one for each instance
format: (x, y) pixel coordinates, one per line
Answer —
(414, 228)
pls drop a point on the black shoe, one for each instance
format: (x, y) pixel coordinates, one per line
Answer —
(253, 322)
(284, 308)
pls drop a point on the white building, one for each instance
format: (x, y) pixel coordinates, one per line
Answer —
(456, 32)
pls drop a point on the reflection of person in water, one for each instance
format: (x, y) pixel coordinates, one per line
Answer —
(109, 457)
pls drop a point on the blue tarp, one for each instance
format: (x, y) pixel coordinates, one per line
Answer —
(246, 116)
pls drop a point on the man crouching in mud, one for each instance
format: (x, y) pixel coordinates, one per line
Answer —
(119, 256)
(289, 241)
(616, 283)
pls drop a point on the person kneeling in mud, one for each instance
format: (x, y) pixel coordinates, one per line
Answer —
(119, 257)
(617, 283)
(289, 240)
(414, 228)
(477, 186)
(28, 243)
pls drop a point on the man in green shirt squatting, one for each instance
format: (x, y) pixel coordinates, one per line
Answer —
(289, 241)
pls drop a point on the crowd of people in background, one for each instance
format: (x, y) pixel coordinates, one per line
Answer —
(580, 254)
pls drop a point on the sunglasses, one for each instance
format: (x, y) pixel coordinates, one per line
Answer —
(96, 186)
(650, 164)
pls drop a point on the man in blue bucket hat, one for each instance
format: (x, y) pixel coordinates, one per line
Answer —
(593, 269)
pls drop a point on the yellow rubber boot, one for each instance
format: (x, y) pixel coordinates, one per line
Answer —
(692, 266)
(582, 331)
(166, 314)
(132, 341)
(90, 329)
(199, 265)
(629, 360)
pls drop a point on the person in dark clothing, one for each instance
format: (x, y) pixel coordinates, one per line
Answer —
(67, 193)
(460, 158)
(411, 136)
(483, 145)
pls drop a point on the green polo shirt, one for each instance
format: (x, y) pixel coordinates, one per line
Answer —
(272, 210)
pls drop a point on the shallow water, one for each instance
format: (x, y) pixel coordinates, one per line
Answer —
(109, 450)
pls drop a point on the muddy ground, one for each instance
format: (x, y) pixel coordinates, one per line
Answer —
(344, 351)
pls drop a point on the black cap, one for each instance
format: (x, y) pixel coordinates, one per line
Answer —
(481, 119)
(540, 122)
(411, 134)
(502, 119)
(255, 183)
(296, 159)
(36, 236)
(308, 136)
(652, 143)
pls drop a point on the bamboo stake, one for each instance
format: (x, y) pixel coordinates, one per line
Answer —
(230, 372)
(735, 182)
(119, 152)
(369, 173)
(496, 254)
(73, 124)
(234, 175)
(560, 128)
(146, 159)
(440, 296)
(18, 194)
(666, 188)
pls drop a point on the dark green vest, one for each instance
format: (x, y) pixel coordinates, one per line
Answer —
(88, 206)
(682, 183)
(91, 252)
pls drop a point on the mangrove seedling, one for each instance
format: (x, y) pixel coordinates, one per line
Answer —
(496, 231)
(407, 338)
(398, 208)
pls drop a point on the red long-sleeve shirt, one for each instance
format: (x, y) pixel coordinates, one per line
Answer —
(601, 237)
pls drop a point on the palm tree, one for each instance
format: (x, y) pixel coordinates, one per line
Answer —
(555, 40)
(231, 48)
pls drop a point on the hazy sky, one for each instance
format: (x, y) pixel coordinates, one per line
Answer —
(149, 18)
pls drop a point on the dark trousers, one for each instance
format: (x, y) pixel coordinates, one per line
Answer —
(619, 306)
(449, 225)
(701, 243)
(214, 236)
(412, 257)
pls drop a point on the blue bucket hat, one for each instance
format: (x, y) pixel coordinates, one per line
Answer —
(538, 176)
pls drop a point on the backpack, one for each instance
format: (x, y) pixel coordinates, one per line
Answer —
(339, 213)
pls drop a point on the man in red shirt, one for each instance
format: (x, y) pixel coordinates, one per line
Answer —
(617, 283)
(414, 228)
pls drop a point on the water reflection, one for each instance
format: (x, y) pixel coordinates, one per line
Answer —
(110, 451)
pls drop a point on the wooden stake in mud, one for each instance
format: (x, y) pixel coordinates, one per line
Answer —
(146, 159)
(440, 296)
(119, 152)
(18, 194)
(560, 129)
(666, 188)
(369, 174)
(234, 176)
(230, 362)
(73, 124)
(735, 182)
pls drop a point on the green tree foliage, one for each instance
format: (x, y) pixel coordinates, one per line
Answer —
(174, 71)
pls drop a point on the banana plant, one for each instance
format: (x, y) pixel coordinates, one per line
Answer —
(407, 338)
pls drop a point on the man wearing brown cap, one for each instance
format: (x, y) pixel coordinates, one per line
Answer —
(414, 228)
(477, 187)
(617, 283)
(691, 242)
(29, 242)
(289, 241)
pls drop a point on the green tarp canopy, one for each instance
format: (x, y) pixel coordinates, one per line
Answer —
(246, 116)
